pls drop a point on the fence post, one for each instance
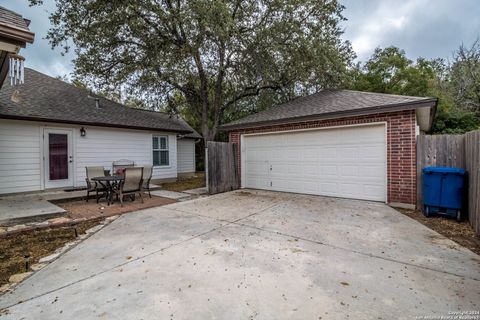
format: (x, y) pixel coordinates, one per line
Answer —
(206, 167)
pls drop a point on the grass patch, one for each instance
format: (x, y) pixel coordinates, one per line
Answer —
(186, 183)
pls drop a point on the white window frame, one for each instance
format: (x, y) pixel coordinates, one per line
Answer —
(160, 149)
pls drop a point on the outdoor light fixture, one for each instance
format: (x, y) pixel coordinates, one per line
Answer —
(83, 133)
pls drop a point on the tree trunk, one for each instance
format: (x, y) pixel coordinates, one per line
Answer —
(208, 133)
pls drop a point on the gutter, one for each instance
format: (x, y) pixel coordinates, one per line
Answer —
(338, 114)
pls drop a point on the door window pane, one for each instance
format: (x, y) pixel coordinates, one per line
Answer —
(58, 156)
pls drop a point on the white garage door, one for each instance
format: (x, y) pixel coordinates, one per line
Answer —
(347, 162)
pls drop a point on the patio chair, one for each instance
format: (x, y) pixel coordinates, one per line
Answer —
(131, 184)
(93, 186)
(120, 165)
(147, 176)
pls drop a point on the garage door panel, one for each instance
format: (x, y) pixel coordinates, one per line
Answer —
(372, 152)
(374, 172)
(351, 189)
(310, 154)
(349, 171)
(327, 152)
(329, 188)
(348, 153)
(343, 162)
(329, 170)
(372, 191)
(257, 182)
(257, 168)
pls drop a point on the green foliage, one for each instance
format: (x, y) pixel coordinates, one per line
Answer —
(465, 77)
(215, 58)
(455, 120)
(390, 71)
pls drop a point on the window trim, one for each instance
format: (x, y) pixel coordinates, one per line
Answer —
(159, 149)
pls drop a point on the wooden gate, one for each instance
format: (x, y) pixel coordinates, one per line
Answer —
(222, 172)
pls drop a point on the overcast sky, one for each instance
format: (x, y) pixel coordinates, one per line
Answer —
(427, 28)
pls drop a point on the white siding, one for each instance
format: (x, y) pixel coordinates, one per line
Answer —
(102, 146)
(186, 155)
(20, 154)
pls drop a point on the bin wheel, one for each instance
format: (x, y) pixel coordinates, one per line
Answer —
(427, 211)
(459, 216)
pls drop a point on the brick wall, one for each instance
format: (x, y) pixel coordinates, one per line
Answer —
(401, 170)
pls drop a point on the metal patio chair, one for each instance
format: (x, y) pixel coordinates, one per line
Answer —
(131, 184)
(93, 186)
(147, 176)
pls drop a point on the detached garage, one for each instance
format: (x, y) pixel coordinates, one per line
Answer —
(338, 143)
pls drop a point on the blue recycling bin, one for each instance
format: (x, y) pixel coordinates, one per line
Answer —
(443, 191)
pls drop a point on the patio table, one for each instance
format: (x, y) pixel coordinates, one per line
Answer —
(109, 183)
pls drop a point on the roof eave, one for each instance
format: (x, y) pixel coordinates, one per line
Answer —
(95, 124)
(425, 117)
(331, 115)
(18, 36)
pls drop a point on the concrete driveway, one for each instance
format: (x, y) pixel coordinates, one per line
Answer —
(255, 255)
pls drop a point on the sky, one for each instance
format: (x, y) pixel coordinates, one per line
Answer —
(423, 28)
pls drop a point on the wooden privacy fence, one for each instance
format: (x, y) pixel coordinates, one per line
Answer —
(472, 164)
(222, 172)
(453, 150)
(446, 150)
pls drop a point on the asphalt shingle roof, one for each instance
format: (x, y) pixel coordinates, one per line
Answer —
(44, 98)
(11, 18)
(327, 103)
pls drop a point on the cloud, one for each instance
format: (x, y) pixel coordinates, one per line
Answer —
(427, 28)
(421, 27)
(382, 21)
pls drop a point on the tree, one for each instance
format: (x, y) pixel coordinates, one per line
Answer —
(212, 56)
(465, 77)
(390, 71)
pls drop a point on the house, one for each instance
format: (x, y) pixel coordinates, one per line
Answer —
(14, 35)
(50, 131)
(338, 143)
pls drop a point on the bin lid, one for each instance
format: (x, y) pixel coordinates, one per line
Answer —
(444, 170)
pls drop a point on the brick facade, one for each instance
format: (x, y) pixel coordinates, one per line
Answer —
(401, 157)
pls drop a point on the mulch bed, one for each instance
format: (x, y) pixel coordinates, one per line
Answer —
(34, 245)
(460, 232)
(82, 209)
(186, 183)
